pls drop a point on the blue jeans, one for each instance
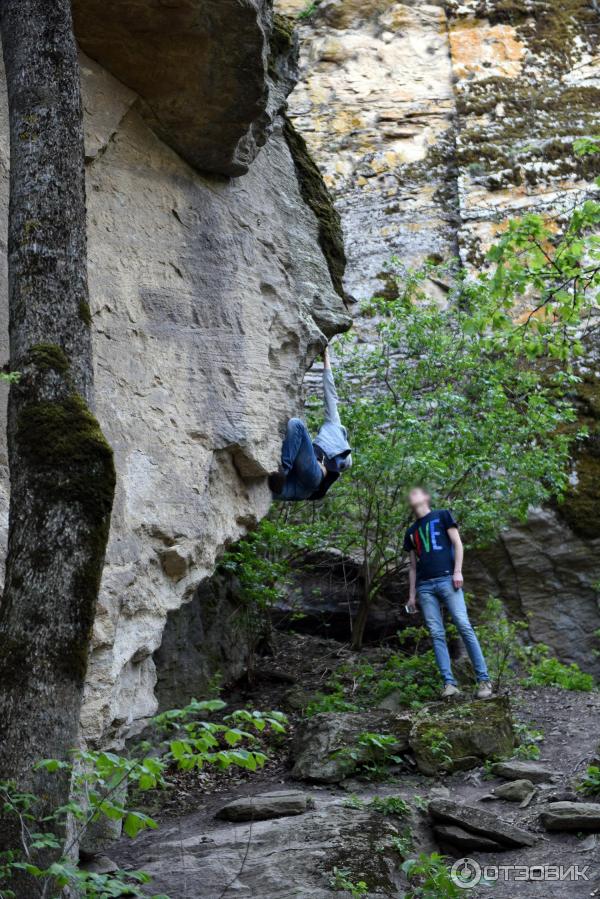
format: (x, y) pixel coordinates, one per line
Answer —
(431, 594)
(299, 462)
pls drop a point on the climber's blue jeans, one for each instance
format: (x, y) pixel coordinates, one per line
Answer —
(299, 462)
(432, 594)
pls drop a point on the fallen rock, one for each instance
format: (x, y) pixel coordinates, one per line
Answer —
(265, 806)
(99, 864)
(516, 791)
(479, 821)
(515, 769)
(320, 742)
(464, 839)
(461, 735)
(572, 816)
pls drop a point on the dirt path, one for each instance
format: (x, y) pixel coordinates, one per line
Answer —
(253, 863)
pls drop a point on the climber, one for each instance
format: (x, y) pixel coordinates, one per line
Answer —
(309, 468)
(435, 578)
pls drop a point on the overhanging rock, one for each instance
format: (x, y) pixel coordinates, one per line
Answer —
(200, 67)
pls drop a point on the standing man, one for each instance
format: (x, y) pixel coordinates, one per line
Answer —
(308, 469)
(435, 578)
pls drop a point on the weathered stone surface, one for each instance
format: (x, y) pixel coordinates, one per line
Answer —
(462, 839)
(200, 68)
(287, 857)
(574, 816)
(319, 742)
(458, 736)
(515, 769)
(209, 299)
(545, 571)
(375, 95)
(517, 791)
(265, 806)
(478, 821)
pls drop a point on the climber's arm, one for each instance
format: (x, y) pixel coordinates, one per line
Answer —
(330, 396)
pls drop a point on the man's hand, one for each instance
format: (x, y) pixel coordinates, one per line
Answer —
(458, 580)
(411, 605)
(326, 359)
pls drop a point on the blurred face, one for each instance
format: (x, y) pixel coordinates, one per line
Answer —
(418, 497)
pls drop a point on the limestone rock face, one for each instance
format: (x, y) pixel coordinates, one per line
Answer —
(200, 68)
(209, 299)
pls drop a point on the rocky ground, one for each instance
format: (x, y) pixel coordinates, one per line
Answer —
(226, 835)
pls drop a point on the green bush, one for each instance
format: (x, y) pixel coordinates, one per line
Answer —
(549, 672)
(430, 878)
(590, 784)
(390, 806)
(188, 739)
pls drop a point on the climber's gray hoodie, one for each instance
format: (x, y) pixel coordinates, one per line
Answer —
(333, 437)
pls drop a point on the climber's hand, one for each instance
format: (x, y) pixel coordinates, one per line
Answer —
(326, 359)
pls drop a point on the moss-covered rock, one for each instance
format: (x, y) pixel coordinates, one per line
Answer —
(581, 505)
(315, 194)
(460, 735)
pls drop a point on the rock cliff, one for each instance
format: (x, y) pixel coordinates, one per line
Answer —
(209, 298)
(433, 123)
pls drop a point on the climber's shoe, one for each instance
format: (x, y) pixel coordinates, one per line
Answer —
(449, 691)
(484, 690)
(276, 481)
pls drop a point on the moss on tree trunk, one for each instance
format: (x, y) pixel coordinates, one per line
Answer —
(61, 468)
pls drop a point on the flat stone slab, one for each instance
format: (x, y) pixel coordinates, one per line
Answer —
(515, 769)
(463, 839)
(479, 821)
(266, 806)
(572, 816)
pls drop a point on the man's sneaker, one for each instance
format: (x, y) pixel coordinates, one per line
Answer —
(484, 690)
(276, 481)
(450, 690)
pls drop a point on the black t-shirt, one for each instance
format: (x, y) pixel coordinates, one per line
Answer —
(428, 539)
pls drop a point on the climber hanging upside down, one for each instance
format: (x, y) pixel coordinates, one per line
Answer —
(309, 468)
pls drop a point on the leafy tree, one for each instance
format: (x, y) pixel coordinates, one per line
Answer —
(454, 397)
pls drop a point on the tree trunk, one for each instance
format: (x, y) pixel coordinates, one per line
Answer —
(362, 616)
(61, 467)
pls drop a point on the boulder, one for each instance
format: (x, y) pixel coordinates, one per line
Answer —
(461, 735)
(320, 741)
(459, 838)
(517, 769)
(479, 821)
(516, 791)
(265, 806)
(573, 816)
